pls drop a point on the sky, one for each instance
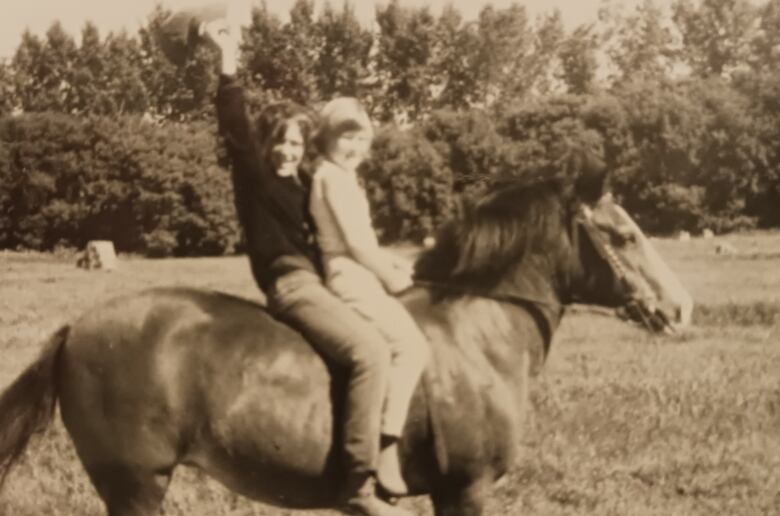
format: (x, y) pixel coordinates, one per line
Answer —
(113, 15)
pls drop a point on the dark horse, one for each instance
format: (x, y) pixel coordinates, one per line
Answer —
(148, 381)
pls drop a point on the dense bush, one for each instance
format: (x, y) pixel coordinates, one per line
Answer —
(696, 155)
(154, 189)
(689, 128)
(763, 92)
(542, 131)
(471, 146)
(683, 155)
(409, 186)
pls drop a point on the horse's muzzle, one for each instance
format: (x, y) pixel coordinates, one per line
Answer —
(651, 318)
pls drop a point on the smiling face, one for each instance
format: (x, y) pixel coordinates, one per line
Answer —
(349, 148)
(287, 152)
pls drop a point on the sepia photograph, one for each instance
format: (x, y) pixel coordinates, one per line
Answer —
(390, 257)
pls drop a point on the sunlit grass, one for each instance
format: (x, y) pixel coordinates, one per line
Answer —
(625, 423)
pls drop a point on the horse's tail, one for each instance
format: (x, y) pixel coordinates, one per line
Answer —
(27, 405)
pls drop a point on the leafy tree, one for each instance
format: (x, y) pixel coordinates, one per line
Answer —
(549, 37)
(730, 155)
(7, 93)
(505, 39)
(403, 62)
(766, 42)
(7, 200)
(342, 67)
(578, 57)
(89, 89)
(150, 188)
(666, 129)
(281, 58)
(302, 51)
(43, 71)
(716, 34)
(696, 146)
(641, 44)
(59, 57)
(762, 90)
(107, 75)
(29, 74)
(455, 60)
(124, 88)
(262, 43)
(175, 91)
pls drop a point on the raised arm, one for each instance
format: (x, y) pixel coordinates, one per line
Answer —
(232, 115)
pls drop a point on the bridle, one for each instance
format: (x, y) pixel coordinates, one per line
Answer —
(538, 307)
(633, 308)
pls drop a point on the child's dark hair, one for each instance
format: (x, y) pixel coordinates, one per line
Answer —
(272, 122)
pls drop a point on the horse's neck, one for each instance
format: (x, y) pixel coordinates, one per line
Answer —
(513, 325)
(490, 337)
(505, 334)
(537, 282)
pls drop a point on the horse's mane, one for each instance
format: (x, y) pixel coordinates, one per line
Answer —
(514, 220)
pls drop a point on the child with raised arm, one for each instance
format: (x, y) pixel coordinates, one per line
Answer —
(272, 204)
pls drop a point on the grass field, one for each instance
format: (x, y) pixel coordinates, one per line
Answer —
(625, 423)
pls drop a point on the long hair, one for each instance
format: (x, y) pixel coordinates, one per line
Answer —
(510, 223)
(518, 217)
(272, 123)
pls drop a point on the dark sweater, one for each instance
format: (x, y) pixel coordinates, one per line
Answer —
(273, 211)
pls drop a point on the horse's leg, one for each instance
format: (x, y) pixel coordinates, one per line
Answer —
(128, 491)
(467, 500)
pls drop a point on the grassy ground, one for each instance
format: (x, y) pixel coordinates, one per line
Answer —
(625, 423)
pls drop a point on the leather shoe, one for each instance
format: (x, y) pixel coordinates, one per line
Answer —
(363, 501)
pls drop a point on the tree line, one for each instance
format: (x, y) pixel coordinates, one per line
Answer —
(106, 138)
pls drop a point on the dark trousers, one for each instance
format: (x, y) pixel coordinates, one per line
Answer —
(340, 333)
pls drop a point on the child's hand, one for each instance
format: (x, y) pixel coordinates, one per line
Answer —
(402, 265)
(218, 32)
(225, 34)
(397, 282)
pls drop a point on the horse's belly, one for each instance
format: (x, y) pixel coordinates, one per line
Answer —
(274, 441)
(287, 470)
(275, 483)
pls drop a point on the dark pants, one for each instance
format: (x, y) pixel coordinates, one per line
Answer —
(340, 333)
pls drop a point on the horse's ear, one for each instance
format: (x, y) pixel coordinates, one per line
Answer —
(590, 175)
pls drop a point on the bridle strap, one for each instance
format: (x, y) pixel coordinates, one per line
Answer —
(604, 249)
(607, 252)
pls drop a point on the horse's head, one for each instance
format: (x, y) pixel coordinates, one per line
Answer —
(621, 268)
(617, 264)
(557, 239)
